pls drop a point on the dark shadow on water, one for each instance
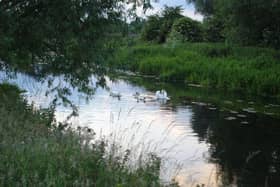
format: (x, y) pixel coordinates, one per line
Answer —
(245, 155)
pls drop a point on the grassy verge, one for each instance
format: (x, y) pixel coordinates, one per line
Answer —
(248, 69)
(35, 151)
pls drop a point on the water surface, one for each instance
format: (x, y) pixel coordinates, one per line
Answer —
(215, 139)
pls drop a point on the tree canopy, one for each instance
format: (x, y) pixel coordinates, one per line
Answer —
(63, 34)
(187, 30)
(249, 22)
(158, 27)
(69, 38)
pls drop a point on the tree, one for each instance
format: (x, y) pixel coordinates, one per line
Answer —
(158, 27)
(151, 31)
(213, 28)
(187, 30)
(246, 21)
(169, 16)
(254, 22)
(42, 37)
(64, 35)
(136, 26)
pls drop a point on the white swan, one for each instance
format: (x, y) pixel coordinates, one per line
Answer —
(159, 96)
(162, 95)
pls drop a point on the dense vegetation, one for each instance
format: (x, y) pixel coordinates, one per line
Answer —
(59, 37)
(238, 22)
(170, 24)
(65, 37)
(247, 69)
(233, 48)
(35, 151)
(245, 22)
(157, 27)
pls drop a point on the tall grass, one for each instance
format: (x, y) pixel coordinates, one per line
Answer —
(248, 69)
(36, 151)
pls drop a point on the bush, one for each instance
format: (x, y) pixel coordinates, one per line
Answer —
(187, 30)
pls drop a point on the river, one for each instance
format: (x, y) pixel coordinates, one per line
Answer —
(203, 137)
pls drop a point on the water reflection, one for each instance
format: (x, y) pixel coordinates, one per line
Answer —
(244, 155)
(211, 150)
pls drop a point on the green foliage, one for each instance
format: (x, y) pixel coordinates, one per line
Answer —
(271, 37)
(246, 22)
(187, 29)
(157, 28)
(136, 26)
(169, 16)
(213, 28)
(246, 69)
(60, 36)
(151, 31)
(35, 151)
(252, 20)
(217, 51)
(73, 38)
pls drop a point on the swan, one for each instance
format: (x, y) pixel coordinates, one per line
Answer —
(159, 95)
(115, 94)
(140, 97)
(162, 95)
(144, 97)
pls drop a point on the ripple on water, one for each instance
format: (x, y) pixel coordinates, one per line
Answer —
(245, 123)
(241, 115)
(233, 112)
(249, 110)
(231, 118)
(212, 108)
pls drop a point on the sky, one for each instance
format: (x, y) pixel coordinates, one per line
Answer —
(189, 9)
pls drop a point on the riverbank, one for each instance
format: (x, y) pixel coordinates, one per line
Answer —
(38, 151)
(245, 69)
(222, 100)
